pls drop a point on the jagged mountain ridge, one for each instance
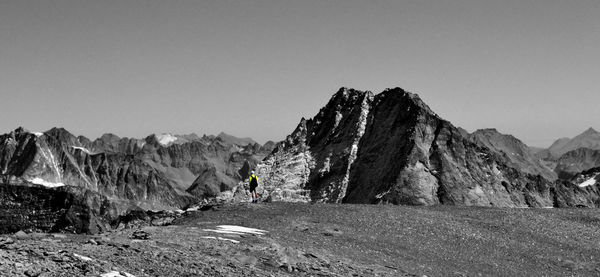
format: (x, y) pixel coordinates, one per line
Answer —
(392, 148)
(151, 173)
(69, 176)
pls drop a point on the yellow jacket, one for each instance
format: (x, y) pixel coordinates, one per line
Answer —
(252, 176)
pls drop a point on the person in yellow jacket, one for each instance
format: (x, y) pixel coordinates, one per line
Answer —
(253, 180)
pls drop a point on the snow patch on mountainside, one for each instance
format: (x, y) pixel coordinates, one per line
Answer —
(589, 182)
(166, 139)
(362, 125)
(82, 149)
(338, 118)
(40, 181)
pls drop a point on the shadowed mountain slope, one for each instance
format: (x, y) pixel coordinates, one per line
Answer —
(519, 155)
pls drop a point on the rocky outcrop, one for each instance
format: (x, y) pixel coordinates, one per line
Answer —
(392, 148)
(35, 208)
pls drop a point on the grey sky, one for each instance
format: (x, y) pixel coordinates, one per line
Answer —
(254, 68)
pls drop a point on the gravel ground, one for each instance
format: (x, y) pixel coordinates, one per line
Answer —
(324, 240)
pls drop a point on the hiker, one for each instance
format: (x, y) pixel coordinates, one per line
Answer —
(253, 184)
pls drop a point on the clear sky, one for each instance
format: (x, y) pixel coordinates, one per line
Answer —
(530, 68)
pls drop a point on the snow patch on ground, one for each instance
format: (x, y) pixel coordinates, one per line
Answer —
(236, 230)
(40, 181)
(83, 258)
(38, 134)
(590, 182)
(116, 274)
(166, 139)
(220, 238)
(193, 209)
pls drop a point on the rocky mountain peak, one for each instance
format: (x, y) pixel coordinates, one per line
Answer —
(392, 148)
(487, 131)
(58, 131)
(411, 101)
(60, 136)
(109, 137)
(590, 131)
(345, 93)
(590, 138)
(20, 130)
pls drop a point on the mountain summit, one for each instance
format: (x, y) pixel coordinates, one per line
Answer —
(392, 148)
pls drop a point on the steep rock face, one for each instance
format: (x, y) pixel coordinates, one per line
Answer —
(391, 148)
(519, 155)
(314, 161)
(392, 163)
(17, 151)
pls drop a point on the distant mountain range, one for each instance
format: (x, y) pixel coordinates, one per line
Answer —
(519, 155)
(158, 172)
(589, 139)
(359, 148)
(570, 156)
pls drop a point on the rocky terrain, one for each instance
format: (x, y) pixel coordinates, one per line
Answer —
(287, 239)
(392, 148)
